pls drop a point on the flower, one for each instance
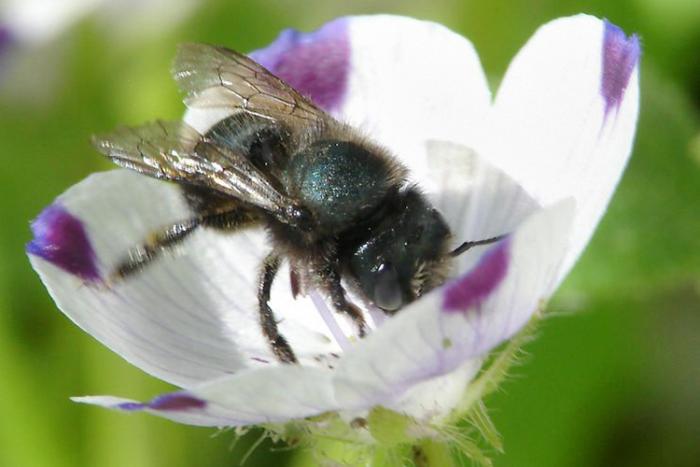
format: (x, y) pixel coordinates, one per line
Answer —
(31, 49)
(36, 22)
(539, 161)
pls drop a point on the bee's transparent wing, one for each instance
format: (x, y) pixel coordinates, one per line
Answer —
(219, 77)
(177, 152)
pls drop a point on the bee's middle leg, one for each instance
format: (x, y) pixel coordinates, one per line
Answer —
(279, 344)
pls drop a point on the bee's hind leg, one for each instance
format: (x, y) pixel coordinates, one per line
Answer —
(279, 344)
(163, 240)
(330, 279)
(155, 244)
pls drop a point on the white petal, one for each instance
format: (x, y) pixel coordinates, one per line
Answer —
(265, 395)
(428, 348)
(200, 417)
(435, 398)
(565, 117)
(36, 21)
(477, 199)
(187, 317)
(407, 81)
(40, 21)
(430, 338)
(273, 394)
(412, 81)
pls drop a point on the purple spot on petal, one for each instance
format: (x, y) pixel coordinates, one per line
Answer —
(316, 64)
(60, 238)
(473, 288)
(6, 41)
(620, 56)
(176, 401)
(6, 38)
(130, 406)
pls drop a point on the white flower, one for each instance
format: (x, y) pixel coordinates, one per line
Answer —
(32, 52)
(35, 22)
(540, 161)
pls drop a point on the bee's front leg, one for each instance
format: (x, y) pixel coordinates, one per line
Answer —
(330, 280)
(279, 344)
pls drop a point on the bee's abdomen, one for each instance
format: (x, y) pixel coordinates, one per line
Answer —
(339, 181)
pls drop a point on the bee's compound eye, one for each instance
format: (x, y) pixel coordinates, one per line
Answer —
(387, 291)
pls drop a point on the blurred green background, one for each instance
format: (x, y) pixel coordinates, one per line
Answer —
(614, 376)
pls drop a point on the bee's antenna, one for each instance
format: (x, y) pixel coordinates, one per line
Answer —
(468, 245)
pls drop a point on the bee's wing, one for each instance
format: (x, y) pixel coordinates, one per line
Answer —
(219, 77)
(175, 151)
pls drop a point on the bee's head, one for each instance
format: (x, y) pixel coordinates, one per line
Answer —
(403, 255)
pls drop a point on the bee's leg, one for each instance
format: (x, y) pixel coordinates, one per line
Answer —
(331, 282)
(279, 344)
(466, 246)
(156, 243)
(163, 240)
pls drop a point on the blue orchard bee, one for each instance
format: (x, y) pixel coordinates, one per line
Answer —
(335, 204)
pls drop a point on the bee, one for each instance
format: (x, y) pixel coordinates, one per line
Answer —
(335, 204)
